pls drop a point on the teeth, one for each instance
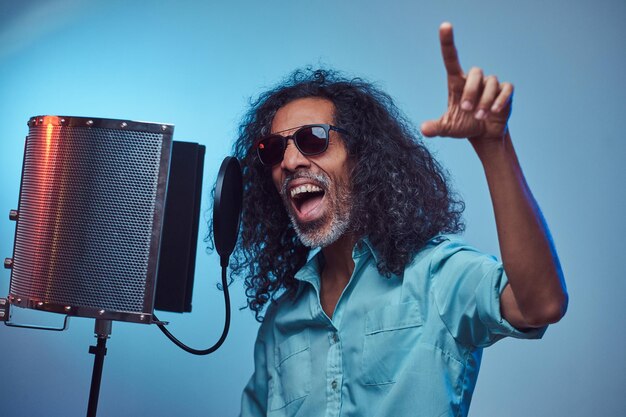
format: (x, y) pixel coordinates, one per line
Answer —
(308, 188)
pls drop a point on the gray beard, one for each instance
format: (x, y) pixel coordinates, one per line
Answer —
(312, 235)
(333, 224)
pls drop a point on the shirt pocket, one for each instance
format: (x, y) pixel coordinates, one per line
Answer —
(391, 334)
(292, 373)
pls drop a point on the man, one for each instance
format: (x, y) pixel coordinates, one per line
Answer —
(368, 309)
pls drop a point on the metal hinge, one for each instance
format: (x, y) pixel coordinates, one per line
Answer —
(4, 309)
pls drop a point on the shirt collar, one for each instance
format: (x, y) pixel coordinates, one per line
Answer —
(311, 271)
(363, 247)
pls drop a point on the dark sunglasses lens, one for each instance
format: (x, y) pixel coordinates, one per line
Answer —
(271, 150)
(311, 140)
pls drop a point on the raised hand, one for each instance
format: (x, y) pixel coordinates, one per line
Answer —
(479, 106)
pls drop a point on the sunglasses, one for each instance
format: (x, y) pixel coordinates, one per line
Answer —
(309, 140)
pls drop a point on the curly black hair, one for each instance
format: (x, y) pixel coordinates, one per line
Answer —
(400, 193)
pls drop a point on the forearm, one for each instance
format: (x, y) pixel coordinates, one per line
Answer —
(528, 253)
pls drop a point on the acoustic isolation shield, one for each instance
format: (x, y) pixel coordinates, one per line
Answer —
(90, 217)
(177, 257)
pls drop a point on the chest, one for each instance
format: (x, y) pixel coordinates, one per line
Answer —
(378, 342)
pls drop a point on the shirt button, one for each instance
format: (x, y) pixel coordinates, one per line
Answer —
(334, 384)
(335, 337)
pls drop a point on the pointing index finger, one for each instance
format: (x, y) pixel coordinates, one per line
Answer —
(448, 50)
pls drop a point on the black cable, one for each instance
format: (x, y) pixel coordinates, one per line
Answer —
(224, 332)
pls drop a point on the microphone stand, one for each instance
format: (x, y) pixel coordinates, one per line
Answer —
(102, 331)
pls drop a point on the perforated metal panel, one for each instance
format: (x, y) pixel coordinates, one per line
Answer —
(90, 217)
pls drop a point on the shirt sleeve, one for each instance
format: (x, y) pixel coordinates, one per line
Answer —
(254, 397)
(467, 286)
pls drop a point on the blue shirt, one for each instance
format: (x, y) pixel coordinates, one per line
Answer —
(399, 346)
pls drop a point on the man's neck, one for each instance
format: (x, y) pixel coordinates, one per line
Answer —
(336, 272)
(338, 256)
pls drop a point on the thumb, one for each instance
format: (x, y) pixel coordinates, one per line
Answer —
(431, 128)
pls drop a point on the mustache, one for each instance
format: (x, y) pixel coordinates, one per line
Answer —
(321, 179)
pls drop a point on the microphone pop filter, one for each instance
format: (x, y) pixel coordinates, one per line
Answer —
(227, 208)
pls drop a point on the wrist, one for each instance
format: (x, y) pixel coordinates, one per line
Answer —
(488, 146)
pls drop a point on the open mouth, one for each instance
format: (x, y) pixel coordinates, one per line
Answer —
(307, 200)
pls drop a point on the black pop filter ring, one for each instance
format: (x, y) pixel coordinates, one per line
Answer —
(227, 208)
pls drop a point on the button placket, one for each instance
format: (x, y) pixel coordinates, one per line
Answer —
(334, 374)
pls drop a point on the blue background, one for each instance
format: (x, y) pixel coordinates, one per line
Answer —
(196, 64)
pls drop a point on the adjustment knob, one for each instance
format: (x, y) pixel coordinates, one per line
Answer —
(14, 215)
(8, 263)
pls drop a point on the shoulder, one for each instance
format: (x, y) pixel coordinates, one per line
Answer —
(287, 308)
(275, 305)
(449, 257)
(272, 309)
(451, 251)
